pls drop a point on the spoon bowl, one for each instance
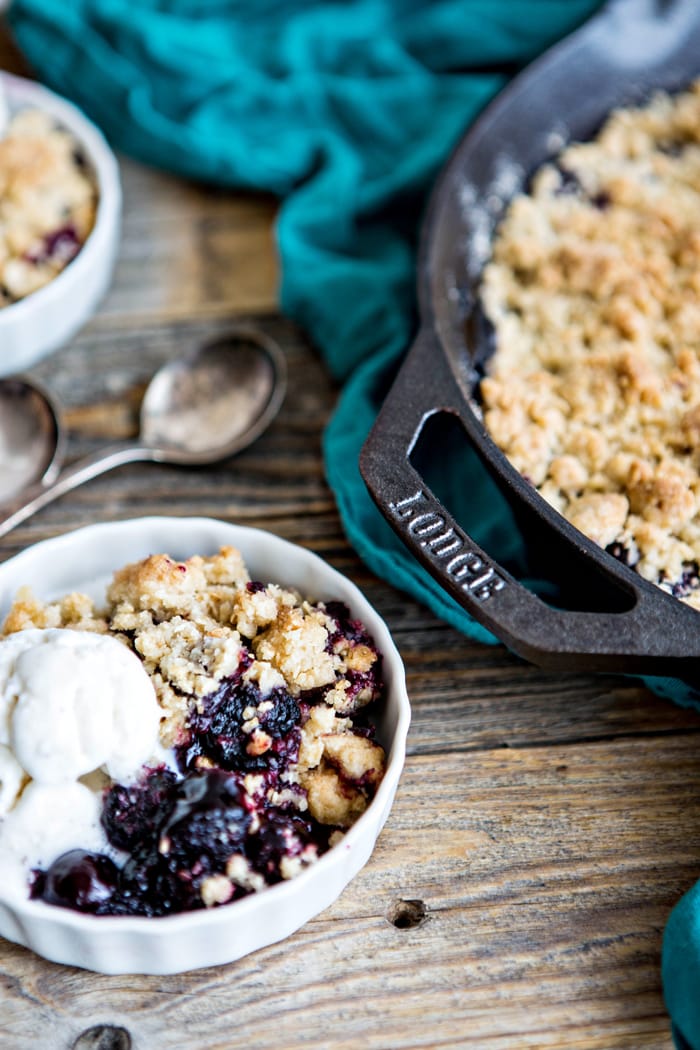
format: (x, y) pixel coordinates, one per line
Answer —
(31, 441)
(197, 410)
(207, 406)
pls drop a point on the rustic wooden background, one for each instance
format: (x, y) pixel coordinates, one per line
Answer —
(545, 824)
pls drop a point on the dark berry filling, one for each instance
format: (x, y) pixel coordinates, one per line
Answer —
(621, 553)
(351, 630)
(688, 582)
(198, 826)
(601, 200)
(205, 822)
(347, 634)
(365, 682)
(241, 730)
(128, 810)
(59, 247)
(284, 835)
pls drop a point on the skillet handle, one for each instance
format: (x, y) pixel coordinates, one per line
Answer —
(655, 634)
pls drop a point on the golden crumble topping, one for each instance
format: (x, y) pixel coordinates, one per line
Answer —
(593, 392)
(47, 203)
(296, 644)
(75, 610)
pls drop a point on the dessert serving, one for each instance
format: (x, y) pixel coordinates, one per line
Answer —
(593, 288)
(198, 737)
(194, 932)
(48, 200)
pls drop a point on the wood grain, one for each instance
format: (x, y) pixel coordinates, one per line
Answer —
(547, 822)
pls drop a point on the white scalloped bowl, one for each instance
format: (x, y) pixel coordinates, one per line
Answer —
(46, 319)
(84, 560)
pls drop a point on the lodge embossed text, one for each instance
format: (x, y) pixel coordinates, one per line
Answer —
(446, 545)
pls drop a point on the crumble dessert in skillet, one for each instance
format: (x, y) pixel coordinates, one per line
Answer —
(593, 289)
(47, 203)
(264, 703)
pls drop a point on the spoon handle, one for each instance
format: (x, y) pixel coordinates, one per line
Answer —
(37, 496)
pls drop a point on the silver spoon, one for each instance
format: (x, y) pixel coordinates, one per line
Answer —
(196, 410)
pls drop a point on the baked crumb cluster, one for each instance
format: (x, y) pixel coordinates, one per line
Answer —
(47, 203)
(263, 697)
(593, 391)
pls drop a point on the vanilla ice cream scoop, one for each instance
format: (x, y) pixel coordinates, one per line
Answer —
(10, 648)
(74, 701)
(48, 820)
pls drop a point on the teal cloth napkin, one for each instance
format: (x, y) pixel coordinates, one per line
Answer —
(680, 969)
(346, 111)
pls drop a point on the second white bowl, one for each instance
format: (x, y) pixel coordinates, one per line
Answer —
(46, 319)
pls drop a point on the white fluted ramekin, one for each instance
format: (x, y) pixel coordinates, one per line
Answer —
(84, 560)
(46, 319)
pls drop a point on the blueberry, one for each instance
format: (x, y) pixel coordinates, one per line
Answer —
(60, 245)
(128, 811)
(283, 716)
(620, 552)
(78, 879)
(281, 835)
(688, 582)
(353, 630)
(208, 822)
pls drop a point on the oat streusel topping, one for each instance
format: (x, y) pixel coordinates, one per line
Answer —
(47, 203)
(593, 288)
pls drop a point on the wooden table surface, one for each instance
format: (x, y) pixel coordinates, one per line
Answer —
(547, 823)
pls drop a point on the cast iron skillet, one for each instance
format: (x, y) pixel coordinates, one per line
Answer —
(614, 620)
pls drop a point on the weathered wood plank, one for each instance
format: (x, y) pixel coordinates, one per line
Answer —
(547, 875)
(188, 249)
